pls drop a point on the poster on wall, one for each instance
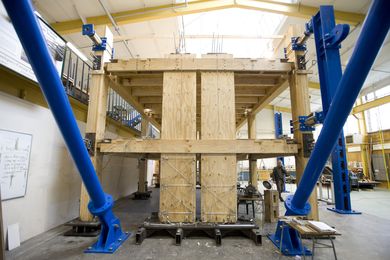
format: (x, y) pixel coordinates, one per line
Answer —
(15, 151)
(12, 54)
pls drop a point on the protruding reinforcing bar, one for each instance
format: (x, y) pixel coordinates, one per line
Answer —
(372, 35)
(34, 44)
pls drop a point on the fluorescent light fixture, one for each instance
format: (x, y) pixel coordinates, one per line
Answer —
(75, 50)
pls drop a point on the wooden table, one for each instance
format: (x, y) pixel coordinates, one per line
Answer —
(241, 199)
(305, 230)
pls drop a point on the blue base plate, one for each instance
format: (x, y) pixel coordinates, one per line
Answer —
(113, 247)
(291, 251)
(346, 212)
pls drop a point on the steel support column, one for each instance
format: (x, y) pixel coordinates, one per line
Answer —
(33, 42)
(327, 37)
(372, 35)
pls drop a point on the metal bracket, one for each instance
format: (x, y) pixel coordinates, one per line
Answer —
(308, 144)
(111, 236)
(297, 46)
(90, 143)
(336, 36)
(303, 126)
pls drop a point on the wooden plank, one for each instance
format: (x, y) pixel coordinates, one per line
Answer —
(219, 177)
(202, 64)
(242, 146)
(178, 172)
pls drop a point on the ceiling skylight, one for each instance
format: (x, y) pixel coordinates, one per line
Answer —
(243, 33)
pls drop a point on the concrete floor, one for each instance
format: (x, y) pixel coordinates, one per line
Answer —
(365, 236)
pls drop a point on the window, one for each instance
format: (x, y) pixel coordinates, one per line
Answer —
(377, 118)
(243, 33)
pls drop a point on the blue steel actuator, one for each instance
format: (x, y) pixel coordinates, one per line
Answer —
(31, 37)
(373, 33)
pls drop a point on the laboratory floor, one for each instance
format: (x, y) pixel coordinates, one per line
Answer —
(364, 236)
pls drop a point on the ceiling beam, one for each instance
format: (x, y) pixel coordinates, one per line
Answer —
(375, 103)
(198, 6)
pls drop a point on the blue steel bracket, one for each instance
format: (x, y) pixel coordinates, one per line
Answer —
(111, 236)
(320, 117)
(286, 238)
(336, 36)
(100, 43)
(88, 30)
(303, 126)
(102, 46)
(296, 46)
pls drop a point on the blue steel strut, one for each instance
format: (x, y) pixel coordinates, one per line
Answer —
(31, 37)
(371, 37)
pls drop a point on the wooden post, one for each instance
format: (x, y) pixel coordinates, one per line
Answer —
(95, 130)
(143, 162)
(300, 104)
(178, 172)
(252, 161)
(96, 118)
(219, 176)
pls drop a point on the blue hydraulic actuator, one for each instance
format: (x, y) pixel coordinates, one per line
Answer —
(31, 37)
(373, 33)
(327, 38)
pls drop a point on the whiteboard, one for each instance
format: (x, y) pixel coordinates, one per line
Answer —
(14, 163)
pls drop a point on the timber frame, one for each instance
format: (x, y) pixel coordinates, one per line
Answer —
(198, 104)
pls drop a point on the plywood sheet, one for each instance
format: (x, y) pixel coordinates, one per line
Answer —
(178, 175)
(218, 172)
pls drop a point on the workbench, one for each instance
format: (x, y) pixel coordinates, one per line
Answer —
(306, 231)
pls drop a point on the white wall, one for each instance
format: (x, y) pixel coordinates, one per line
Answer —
(53, 188)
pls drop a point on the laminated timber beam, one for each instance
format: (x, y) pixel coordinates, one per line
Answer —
(245, 146)
(199, 64)
(198, 6)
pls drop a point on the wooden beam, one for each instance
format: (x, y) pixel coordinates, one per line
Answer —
(198, 6)
(131, 100)
(198, 64)
(375, 103)
(250, 92)
(246, 100)
(149, 91)
(271, 95)
(240, 146)
(150, 100)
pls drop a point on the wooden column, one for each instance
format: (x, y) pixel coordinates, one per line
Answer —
(252, 161)
(95, 130)
(219, 177)
(178, 172)
(300, 106)
(143, 162)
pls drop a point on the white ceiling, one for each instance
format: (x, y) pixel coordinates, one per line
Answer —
(157, 38)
